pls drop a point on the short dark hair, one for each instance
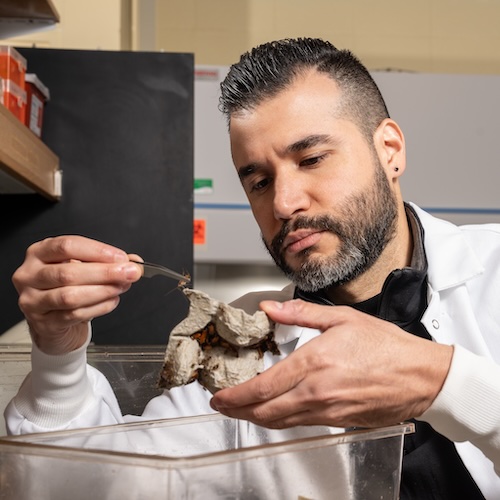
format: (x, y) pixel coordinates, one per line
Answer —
(271, 67)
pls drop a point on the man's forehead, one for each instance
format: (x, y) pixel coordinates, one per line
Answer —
(305, 83)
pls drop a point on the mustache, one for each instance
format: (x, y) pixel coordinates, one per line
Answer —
(320, 223)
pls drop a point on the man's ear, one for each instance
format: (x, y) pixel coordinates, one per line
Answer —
(390, 146)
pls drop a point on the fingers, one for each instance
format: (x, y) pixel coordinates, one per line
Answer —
(268, 385)
(286, 393)
(65, 282)
(73, 273)
(65, 248)
(301, 313)
(264, 414)
(55, 321)
(63, 328)
(134, 256)
(283, 377)
(273, 400)
(73, 260)
(68, 298)
(360, 371)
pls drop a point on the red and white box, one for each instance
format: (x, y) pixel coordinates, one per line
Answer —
(12, 65)
(14, 99)
(37, 95)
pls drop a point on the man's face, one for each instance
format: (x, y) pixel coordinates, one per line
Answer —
(316, 186)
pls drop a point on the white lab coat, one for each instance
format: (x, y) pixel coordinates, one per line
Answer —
(464, 296)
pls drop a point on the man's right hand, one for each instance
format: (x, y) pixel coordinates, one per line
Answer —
(66, 281)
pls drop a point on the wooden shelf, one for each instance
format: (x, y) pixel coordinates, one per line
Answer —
(27, 165)
(18, 17)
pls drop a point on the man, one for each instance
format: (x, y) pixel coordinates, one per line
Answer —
(415, 331)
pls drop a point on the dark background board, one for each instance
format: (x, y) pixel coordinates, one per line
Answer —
(122, 126)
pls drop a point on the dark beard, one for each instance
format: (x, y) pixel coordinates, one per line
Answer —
(366, 224)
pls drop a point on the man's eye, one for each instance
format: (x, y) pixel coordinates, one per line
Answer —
(259, 186)
(308, 162)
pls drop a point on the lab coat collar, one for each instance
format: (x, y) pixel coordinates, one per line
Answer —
(451, 260)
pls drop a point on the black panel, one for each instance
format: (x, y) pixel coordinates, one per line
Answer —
(122, 125)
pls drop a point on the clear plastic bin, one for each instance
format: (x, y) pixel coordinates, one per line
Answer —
(207, 457)
(132, 371)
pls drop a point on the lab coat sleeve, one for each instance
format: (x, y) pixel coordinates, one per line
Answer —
(468, 406)
(62, 392)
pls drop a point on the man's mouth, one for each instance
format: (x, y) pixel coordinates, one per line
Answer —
(300, 240)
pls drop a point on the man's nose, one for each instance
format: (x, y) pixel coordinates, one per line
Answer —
(290, 196)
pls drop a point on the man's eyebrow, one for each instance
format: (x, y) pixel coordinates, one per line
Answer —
(247, 170)
(309, 142)
(300, 145)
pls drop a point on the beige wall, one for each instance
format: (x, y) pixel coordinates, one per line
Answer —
(85, 24)
(449, 36)
(452, 36)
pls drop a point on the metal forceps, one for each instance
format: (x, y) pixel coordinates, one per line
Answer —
(151, 270)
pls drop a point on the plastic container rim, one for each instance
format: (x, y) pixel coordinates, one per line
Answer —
(32, 441)
(149, 352)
